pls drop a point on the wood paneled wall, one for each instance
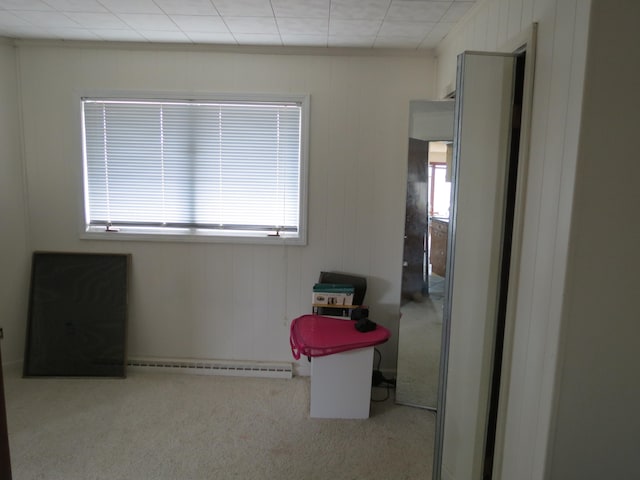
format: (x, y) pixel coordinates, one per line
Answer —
(557, 93)
(14, 241)
(227, 301)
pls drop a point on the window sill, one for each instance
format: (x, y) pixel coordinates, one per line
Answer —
(190, 236)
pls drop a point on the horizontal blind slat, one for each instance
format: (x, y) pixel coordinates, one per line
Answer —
(192, 164)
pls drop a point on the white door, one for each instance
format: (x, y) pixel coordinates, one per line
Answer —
(484, 97)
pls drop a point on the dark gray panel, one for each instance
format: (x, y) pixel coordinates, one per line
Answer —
(77, 315)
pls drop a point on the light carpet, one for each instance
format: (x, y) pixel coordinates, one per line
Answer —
(177, 426)
(419, 347)
(419, 340)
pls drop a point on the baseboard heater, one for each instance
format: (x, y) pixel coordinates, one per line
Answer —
(213, 367)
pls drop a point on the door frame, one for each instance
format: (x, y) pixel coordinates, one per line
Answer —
(525, 42)
(5, 459)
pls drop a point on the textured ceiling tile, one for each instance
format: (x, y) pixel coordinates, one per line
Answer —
(187, 7)
(268, 22)
(417, 11)
(301, 8)
(200, 23)
(76, 5)
(36, 5)
(439, 30)
(303, 26)
(359, 9)
(47, 19)
(256, 25)
(353, 27)
(131, 6)
(8, 20)
(244, 8)
(399, 28)
(141, 21)
(97, 20)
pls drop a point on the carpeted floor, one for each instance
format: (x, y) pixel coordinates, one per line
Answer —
(176, 426)
(419, 346)
(419, 340)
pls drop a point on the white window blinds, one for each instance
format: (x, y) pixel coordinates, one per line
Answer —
(202, 166)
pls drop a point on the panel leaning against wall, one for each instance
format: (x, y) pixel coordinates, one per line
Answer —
(77, 315)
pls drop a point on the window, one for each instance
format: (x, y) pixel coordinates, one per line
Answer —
(231, 169)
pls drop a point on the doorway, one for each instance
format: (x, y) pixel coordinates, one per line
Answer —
(423, 271)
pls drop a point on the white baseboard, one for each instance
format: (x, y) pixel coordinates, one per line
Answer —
(302, 369)
(235, 368)
(213, 367)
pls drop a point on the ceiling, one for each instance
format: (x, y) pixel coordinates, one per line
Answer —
(407, 24)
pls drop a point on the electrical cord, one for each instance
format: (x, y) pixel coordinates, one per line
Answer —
(379, 381)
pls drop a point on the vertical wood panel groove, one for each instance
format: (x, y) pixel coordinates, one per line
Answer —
(557, 86)
(235, 301)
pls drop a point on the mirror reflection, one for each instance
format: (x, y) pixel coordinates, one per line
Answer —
(425, 253)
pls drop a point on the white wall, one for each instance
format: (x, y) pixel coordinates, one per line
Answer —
(597, 428)
(14, 250)
(431, 120)
(558, 87)
(236, 301)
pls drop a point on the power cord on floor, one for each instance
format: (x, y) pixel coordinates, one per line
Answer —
(378, 380)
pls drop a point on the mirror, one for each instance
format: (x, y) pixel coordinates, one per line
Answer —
(484, 190)
(425, 247)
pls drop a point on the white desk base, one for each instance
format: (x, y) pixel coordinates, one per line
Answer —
(341, 384)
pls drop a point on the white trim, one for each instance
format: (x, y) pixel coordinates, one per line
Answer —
(229, 368)
(302, 370)
(235, 49)
(86, 232)
(525, 40)
(205, 237)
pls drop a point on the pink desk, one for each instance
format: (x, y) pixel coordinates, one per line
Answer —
(341, 364)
